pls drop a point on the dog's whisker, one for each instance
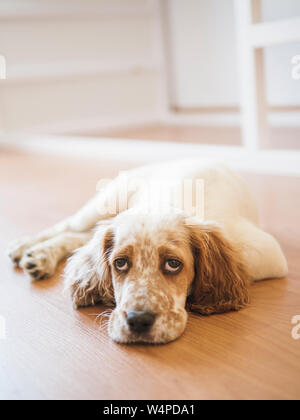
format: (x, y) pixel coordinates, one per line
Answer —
(103, 325)
(105, 314)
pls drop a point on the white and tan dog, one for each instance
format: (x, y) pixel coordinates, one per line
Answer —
(151, 261)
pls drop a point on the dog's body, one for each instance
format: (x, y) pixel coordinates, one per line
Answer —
(148, 259)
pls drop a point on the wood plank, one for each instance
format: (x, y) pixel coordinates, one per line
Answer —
(279, 137)
(228, 109)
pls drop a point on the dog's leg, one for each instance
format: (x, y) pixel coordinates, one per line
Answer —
(17, 249)
(40, 260)
(84, 220)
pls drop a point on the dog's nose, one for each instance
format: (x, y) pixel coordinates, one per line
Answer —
(140, 321)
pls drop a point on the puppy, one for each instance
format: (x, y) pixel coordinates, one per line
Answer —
(155, 242)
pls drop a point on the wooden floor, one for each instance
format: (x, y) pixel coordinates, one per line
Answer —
(52, 351)
(279, 137)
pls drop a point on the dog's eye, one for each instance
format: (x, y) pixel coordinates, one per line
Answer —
(121, 264)
(172, 266)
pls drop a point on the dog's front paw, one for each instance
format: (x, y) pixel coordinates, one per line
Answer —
(38, 263)
(16, 249)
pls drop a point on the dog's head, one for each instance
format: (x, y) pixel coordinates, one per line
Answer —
(156, 266)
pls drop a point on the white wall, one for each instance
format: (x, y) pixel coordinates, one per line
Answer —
(76, 64)
(280, 9)
(204, 55)
(202, 37)
(85, 65)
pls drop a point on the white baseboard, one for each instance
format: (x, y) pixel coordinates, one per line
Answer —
(94, 124)
(74, 70)
(285, 119)
(275, 162)
(276, 119)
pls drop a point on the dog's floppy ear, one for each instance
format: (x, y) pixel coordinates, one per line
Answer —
(221, 280)
(87, 274)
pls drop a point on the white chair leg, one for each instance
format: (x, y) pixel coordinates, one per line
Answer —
(252, 77)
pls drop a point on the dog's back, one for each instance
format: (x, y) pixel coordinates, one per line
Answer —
(221, 194)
